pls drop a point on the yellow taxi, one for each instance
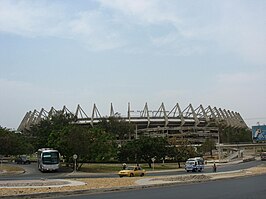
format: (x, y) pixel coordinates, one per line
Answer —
(132, 171)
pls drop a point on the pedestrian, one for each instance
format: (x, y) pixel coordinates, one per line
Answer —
(214, 167)
(124, 166)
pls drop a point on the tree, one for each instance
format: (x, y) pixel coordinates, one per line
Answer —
(90, 144)
(207, 146)
(232, 135)
(39, 133)
(128, 152)
(117, 126)
(61, 132)
(144, 148)
(13, 143)
(103, 145)
(181, 150)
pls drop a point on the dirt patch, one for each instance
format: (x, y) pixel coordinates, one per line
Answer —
(258, 170)
(32, 183)
(185, 178)
(95, 183)
(9, 170)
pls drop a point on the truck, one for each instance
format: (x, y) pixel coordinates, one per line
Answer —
(194, 164)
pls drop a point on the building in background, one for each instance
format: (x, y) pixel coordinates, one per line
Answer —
(193, 124)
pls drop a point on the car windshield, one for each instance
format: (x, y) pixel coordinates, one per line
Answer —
(190, 162)
(50, 158)
(23, 157)
(130, 168)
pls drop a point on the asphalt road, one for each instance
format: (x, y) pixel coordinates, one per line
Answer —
(244, 188)
(33, 173)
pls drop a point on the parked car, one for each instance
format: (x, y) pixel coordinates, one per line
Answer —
(132, 171)
(23, 159)
(263, 156)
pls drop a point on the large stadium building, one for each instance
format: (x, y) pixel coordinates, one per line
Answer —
(194, 124)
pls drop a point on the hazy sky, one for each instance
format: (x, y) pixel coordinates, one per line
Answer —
(63, 52)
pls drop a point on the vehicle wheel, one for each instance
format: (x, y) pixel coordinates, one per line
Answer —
(141, 175)
(200, 170)
(131, 175)
(187, 170)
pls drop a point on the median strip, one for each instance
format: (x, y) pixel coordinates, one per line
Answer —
(92, 185)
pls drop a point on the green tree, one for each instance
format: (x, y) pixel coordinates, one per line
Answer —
(233, 135)
(128, 152)
(117, 126)
(207, 146)
(144, 148)
(13, 143)
(103, 145)
(39, 133)
(181, 150)
(61, 132)
(90, 144)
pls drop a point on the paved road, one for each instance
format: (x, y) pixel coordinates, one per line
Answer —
(244, 188)
(222, 168)
(33, 173)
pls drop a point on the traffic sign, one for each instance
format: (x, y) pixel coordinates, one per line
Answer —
(75, 156)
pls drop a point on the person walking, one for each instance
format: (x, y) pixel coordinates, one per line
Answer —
(214, 168)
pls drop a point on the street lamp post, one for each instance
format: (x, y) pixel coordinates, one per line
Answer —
(153, 160)
(219, 147)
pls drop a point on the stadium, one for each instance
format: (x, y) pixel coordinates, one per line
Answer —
(194, 124)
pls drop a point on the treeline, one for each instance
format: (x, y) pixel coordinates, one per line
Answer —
(13, 143)
(234, 136)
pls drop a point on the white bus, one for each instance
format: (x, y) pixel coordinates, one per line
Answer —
(48, 159)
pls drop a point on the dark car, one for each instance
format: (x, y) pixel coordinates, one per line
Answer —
(23, 159)
(263, 156)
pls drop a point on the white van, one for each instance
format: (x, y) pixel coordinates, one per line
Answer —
(195, 164)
